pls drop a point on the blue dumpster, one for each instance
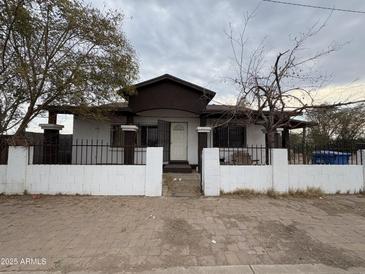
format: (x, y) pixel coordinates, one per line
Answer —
(329, 157)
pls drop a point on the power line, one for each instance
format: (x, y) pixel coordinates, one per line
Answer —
(315, 7)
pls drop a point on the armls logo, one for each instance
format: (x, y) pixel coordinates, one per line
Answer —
(33, 261)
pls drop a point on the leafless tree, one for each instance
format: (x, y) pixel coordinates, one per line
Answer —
(272, 94)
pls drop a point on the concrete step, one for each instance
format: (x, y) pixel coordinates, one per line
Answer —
(182, 167)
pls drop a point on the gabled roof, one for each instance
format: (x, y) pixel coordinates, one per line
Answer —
(163, 77)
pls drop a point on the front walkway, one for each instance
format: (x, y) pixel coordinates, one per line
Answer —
(141, 234)
(181, 184)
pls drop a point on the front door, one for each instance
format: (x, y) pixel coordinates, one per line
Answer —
(179, 142)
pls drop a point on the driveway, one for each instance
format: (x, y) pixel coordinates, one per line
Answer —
(64, 233)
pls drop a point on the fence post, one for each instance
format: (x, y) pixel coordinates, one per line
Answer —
(361, 159)
(16, 170)
(211, 172)
(153, 181)
(280, 169)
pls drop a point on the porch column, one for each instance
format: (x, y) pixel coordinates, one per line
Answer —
(285, 138)
(202, 142)
(279, 138)
(51, 138)
(130, 134)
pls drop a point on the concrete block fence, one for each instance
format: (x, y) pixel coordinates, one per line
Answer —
(19, 176)
(279, 176)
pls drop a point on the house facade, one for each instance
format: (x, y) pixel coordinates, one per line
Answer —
(171, 113)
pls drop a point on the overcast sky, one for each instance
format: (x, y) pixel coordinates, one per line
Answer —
(187, 38)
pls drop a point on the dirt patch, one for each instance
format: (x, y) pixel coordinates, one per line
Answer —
(301, 248)
(341, 204)
(181, 240)
(180, 232)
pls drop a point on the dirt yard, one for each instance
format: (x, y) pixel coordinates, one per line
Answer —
(134, 234)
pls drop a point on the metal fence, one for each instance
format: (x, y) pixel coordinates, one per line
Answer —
(251, 155)
(331, 154)
(4, 150)
(86, 152)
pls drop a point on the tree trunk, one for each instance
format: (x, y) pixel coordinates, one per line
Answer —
(271, 139)
(23, 125)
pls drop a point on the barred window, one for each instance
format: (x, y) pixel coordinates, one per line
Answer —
(229, 136)
(149, 136)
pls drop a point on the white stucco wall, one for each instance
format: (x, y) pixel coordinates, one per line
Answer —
(16, 170)
(18, 176)
(3, 172)
(153, 183)
(211, 172)
(86, 179)
(280, 175)
(87, 129)
(330, 178)
(258, 178)
(255, 135)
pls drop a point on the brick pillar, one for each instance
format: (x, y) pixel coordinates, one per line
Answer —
(130, 137)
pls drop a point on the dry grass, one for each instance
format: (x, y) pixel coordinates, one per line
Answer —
(244, 192)
(169, 180)
(309, 192)
(362, 192)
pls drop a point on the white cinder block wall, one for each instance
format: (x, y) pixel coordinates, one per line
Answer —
(249, 177)
(330, 178)
(18, 176)
(3, 173)
(279, 176)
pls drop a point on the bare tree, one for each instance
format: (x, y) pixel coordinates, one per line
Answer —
(272, 94)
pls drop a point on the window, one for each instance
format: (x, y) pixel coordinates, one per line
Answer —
(229, 136)
(116, 136)
(149, 136)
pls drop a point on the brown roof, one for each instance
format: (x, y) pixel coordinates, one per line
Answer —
(163, 77)
(69, 109)
(214, 110)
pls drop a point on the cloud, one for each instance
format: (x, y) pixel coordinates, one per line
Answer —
(187, 39)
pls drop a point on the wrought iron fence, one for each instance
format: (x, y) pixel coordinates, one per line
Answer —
(86, 152)
(331, 154)
(4, 150)
(251, 155)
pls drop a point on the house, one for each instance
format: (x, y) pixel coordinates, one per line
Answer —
(167, 112)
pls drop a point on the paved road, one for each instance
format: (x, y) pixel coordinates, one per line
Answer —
(142, 234)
